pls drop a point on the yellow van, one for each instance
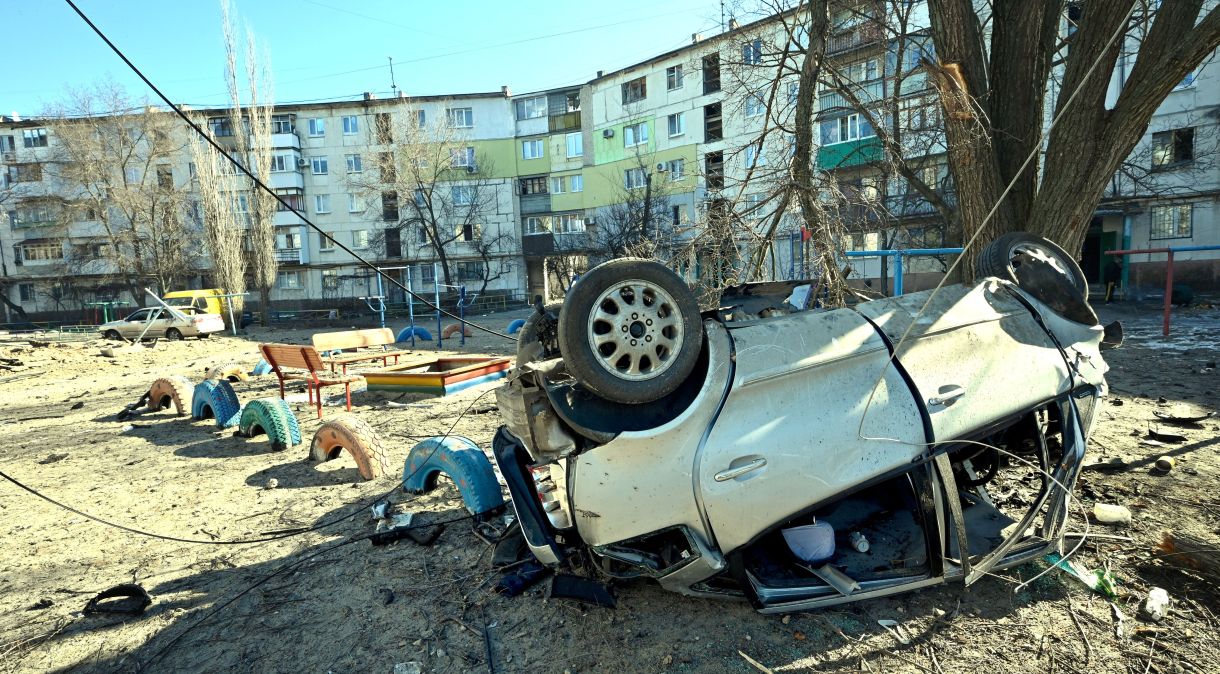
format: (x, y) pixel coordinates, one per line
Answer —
(206, 301)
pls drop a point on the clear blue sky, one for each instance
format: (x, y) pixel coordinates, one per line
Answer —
(323, 49)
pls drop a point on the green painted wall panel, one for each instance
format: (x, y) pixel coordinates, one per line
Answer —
(851, 153)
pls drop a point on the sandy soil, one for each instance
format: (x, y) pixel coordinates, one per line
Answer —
(360, 608)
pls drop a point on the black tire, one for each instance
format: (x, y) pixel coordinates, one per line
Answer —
(630, 331)
(1004, 256)
(173, 334)
(113, 335)
(204, 335)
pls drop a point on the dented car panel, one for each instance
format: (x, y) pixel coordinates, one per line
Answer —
(885, 420)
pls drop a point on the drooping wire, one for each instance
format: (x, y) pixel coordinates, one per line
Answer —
(262, 186)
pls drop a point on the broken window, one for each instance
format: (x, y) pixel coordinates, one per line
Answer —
(713, 126)
(1170, 148)
(635, 90)
(714, 170)
(711, 73)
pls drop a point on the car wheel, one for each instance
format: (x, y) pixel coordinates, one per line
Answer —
(204, 335)
(173, 334)
(112, 335)
(630, 331)
(1004, 257)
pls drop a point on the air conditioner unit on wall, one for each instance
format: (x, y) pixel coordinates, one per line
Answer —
(10, 156)
(607, 133)
(302, 162)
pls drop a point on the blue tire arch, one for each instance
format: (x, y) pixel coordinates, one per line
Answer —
(463, 461)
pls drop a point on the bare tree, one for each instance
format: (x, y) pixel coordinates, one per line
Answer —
(439, 198)
(251, 123)
(996, 70)
(113, 160)
(218, 216)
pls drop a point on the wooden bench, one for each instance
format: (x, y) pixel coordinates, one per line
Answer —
(294, 361)
(356, 339)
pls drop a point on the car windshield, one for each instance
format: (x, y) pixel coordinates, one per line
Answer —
(179, 301)
(140, 315)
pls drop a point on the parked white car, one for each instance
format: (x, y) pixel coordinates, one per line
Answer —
(803, 458)
(163, 324)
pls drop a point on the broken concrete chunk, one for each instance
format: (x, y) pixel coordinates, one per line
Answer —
(1111, 514)
(1156, 605)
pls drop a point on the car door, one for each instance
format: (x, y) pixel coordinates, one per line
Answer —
(975, 354)
(134, 324)
(816, 408)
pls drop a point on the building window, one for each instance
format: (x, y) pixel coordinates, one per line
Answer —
(45, 250)
(635, 90)
(1171, 148)
(27, 291)
(468, 271)
(755, 105)
(677, 124)
(557, 185)
(296, 201)
(578, 184)
(321, 203)
(463, 195)
(384, 129)
(421, 198)
(221, 127)
(536, 185)
(354, 203)
(468, 233)
(846, 128)
(360, 238)
(754, 157)
(317, 127)
(569, 223)
(389, 206)
(531, 149)
(1171, 222)
(794, 91)
(530, 108)
(673, 77)
(713, 125)
(421, 119)
(330, 279)
(677, 169)
(34, 137)
(320, 165)
(165, 177)
(7, 144)
(31, 215)
(711, 73)
(281, 124)
(461, 118)
(462, 156)
(919, 113)
(713, 170)
(326, 242)
(351, 125)
(751, 52)
(576, 144)
(25, 173)
(634, 178)
(287, 238)
(354, 164)
(288, 280)
(279, 162)
(864, 71)
(241, 204)
(635, 134)
(536, 225)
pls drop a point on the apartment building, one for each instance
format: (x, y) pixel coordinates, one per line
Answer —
(518, 193)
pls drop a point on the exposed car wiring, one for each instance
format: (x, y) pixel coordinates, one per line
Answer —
(264, 187)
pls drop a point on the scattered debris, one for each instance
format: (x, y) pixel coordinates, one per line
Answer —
(1184, 414)
(1111, 514)
(1165, 463)
(896, 630)
(52, 458)
(411, 667)
(131, 599)
(565, 586)
(272, 483)
(1120, 628)
(522, 579)
(1184, 550)
(757, 665)
(1100, 581)
(41, 604)
(1165, 436)
(1156, 605)
(857, 541)
(78, 405)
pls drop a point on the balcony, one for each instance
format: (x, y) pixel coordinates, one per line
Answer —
(535, 203)
(860, 35)
(287, 219)
(850, 153)
(568, 121)
(288, 255)
(867, 93)
(282, 180)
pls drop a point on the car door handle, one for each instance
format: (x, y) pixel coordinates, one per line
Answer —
(726, 475)
(946, 395)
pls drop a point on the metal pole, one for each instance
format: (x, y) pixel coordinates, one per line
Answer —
(1168, 290)
(232, 323)
(436, 285)
(411, 307)
(381, 294)
(898, 273)
(1126, 261)
(462, 313)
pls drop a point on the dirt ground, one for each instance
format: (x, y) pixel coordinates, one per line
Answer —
(353, 607)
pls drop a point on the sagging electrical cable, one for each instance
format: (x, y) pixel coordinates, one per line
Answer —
(262, 186)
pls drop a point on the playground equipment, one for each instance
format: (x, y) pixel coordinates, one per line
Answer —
(438, 376)
(899, 255)
(462, 460)
(273, 417)
(106, 306)
(1169, 252)
(411, 331)
(357, 437)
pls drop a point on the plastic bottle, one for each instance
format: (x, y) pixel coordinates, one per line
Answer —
(857, 541)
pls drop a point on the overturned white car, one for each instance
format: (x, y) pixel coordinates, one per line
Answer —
(803, 458)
